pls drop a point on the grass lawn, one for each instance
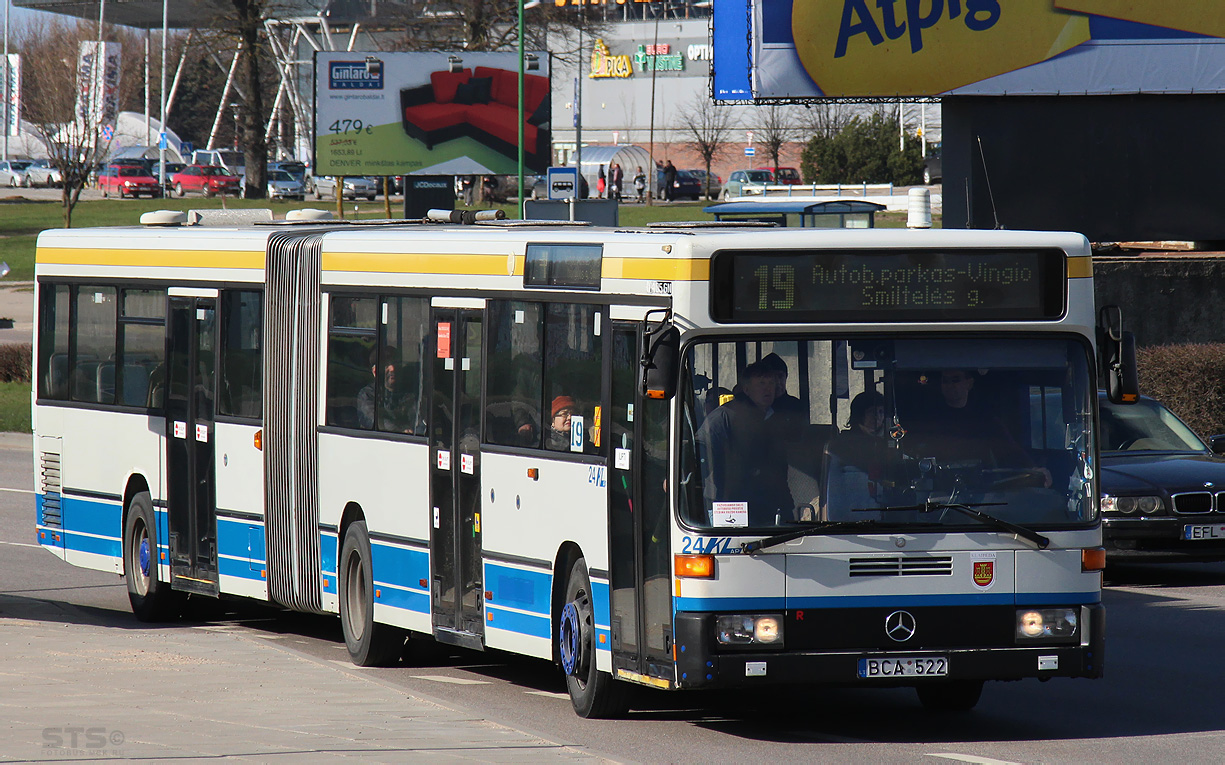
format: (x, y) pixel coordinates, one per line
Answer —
(15, 407)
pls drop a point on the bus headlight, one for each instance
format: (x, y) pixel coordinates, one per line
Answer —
(749, 629)
(1038, 623)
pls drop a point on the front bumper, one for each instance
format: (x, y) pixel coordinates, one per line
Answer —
(1160, 539)
(701, 663)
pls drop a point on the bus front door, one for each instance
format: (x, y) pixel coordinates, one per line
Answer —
(190, 468)
(457, 588)
(638, 521)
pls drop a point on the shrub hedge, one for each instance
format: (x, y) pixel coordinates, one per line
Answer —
(1190, 380)
(15, 362)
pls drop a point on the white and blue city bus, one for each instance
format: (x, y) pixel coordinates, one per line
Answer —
(550, 439)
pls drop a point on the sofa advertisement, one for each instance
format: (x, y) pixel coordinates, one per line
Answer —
(927, 48)
(457, 113)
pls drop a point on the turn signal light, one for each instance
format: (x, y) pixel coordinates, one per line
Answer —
(695, 566)
(654, 393)
(259, 439)
(1093, 559)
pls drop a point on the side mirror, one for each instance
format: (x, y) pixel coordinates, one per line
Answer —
(1217, 444)
(1117, 349)
(660, 360)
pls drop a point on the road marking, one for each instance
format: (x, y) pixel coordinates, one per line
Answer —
(19, 491)
(550, 694)
(970, 758)
(20, 544)
(451, 680)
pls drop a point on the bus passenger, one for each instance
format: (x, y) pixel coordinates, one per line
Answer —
(561, 411)
(743, 451)
(391, 400)
(855, 460)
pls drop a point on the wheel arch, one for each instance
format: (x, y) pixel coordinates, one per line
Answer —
(136, 484)
(567, 554)
(351, 514)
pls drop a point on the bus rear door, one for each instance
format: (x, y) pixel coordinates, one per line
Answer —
(190, 467)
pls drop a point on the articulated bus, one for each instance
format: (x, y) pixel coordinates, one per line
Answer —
(686, 457)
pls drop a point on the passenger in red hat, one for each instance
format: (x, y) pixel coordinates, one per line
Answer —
(559, 424)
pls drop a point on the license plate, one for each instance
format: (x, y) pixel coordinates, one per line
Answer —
(904, 666)
(1204, 531)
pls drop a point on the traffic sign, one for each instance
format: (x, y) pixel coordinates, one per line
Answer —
(749, 151)
(562, 182)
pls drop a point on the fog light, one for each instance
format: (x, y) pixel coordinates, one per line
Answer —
(767, 629)
(749, 629)
(1036, 623)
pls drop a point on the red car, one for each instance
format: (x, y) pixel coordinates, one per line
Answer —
(127, 181)
(205, 179)
(785, 176)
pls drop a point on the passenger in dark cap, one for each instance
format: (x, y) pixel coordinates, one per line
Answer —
(792, 411)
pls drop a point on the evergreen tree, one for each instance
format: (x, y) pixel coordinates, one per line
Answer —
(864, 151)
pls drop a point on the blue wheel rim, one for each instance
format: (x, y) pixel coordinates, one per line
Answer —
(144, 556)
(570, 639)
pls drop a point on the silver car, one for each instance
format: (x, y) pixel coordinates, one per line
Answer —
(746, 182)
(354, 186)
(43, 173)
(13, 172)
(282, 185)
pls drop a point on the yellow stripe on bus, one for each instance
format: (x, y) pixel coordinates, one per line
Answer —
(75, 256)
(1080, 268)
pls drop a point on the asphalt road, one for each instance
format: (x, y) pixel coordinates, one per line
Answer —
(1163, 699)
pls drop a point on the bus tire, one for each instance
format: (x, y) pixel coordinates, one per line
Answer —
(593, 693)
(370, 644)
(950, 696)
(152, 599)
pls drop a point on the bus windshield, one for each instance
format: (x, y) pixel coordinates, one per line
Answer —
(779, 433)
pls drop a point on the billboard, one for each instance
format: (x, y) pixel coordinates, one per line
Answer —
(925, 48)
(12, 71)
(98, 86)
(430, 113)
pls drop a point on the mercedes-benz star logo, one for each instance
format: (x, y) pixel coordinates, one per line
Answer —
(900, 626)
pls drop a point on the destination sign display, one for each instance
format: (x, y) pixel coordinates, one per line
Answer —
(887, 286)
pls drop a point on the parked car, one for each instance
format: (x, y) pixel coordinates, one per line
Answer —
(13, 172)
(42, 173)
(784, 176)
(745, 182)
(293, 167)
(207, 180)
(354, 186)
(1163, 490)
(230, 159)
(686, 186)
(933, 166)
(171, 169)
(128, 181)
(282, 185)
(716, 183)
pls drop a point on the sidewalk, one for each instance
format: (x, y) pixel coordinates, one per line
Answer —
(17, 303)
(76, 690)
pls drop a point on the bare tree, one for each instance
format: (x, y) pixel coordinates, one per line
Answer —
(825, 120)
(706, 127)
(49, 100)
(775, 127)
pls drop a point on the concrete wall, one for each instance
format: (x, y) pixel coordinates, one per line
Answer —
(1166, 299)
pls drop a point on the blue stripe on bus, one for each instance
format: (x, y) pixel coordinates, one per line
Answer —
(409, 600)
(400, 567)
(90, 516)
(242, 539)
(521, 588)
(890, 601)
(238, 568)
(327, 553)
(513, 621)
(95, 545)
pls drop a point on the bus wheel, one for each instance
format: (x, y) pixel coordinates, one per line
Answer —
(370, 644)
(593, 693)
(152, 600)
(951, 696)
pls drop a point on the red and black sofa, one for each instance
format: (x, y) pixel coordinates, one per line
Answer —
(482, 104)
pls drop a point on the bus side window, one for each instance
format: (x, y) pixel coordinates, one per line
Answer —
(96, 322)
(513, 374)
(351, 347)
(572, 369)
(404, 339)
(142, 323)
(241, 368)
(53, 341)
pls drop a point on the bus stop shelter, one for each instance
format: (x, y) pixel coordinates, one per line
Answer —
(799, 213)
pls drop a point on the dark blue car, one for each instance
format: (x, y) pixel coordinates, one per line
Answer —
(1163, 488)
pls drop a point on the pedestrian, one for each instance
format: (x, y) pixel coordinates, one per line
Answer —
(640, 183)
(669, 180)
(599, 183)
(618, 175)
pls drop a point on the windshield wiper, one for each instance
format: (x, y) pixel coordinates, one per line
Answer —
(819, 527)
(969, 510)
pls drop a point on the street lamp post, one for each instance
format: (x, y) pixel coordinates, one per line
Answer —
(523, 6)
(234, 108)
